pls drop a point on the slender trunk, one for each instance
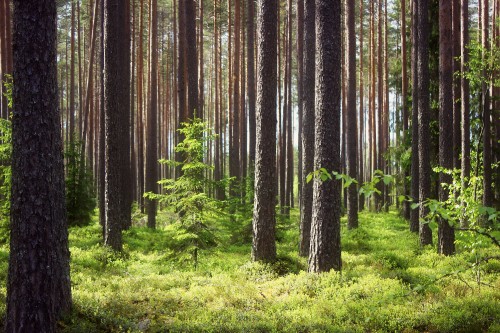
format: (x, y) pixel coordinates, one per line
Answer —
(308, 126)
(414, 222)
(351, 130)
(424, 166)
(152, 140)
(446, 234)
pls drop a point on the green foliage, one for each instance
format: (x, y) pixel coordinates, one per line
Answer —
(80, 193)
(367, 189)
(187, 194)
(388, 284)
(5, 177)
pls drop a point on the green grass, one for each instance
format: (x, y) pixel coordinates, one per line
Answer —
(388, 284)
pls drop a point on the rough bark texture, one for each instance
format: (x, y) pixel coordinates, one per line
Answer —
(487, 156)
(361, 141)
(446, 234)
(152, 140)
(351, 130)
(115, 108)
(251, 83)
(264, 219)
(414, 224)
(424, 163)
(125, 144)
(307, 127)
(464, 29)
(38, 287)
(405, 111)
(325, 226)
(191, 58)
(300, 89)
(456, 83)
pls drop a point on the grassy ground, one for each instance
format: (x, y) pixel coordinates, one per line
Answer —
(388, 284)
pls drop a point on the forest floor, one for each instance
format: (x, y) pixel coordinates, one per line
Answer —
(388, 284)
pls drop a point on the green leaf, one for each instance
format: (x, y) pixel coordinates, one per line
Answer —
(309, 177)
(387, 179)
(414, 205)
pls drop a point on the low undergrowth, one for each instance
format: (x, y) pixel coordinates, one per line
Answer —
(388, 284)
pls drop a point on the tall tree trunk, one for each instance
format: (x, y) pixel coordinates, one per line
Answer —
(404, 92)
(456, 83)
(464, 41)
(485, 93)
(140, 110)
(191, 58)
(307, 126)
(116, 103)
(351, 130)
(234, 154)
(264, 220)
(38, 285)
(251, 85)
(414, 190)
(300, 88)
(446, 234)
(361, 151)
(325, 227)
(379, 198)
(152, 140)
(424, 165)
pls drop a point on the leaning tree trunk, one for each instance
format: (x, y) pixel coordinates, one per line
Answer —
(38, 286)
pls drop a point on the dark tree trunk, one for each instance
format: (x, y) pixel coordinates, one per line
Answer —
(251, 84)
(414, 223)
(362, 138)
(424, 163)
(446, 234)
(456, 83)
(102, 135)
(126, 192)
(264, 219)
(487, 156)
(38, 286)
(300, 88)
(307, 126)
(152, 140)
(116, 108)
(464, 41)
(324, 252)
(191, 58)
(351, 130)
(234, 151)
(404, 92)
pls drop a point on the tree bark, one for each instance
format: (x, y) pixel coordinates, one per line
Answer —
(446, 234)
(39, 234)
(324, 252)
(404, 92)
(264, 220)
(351, 130)
(308, 126)
(464, 40)
(152, 140)
(487, 156)
(116, 99)
(414, 190)
(424, 165)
